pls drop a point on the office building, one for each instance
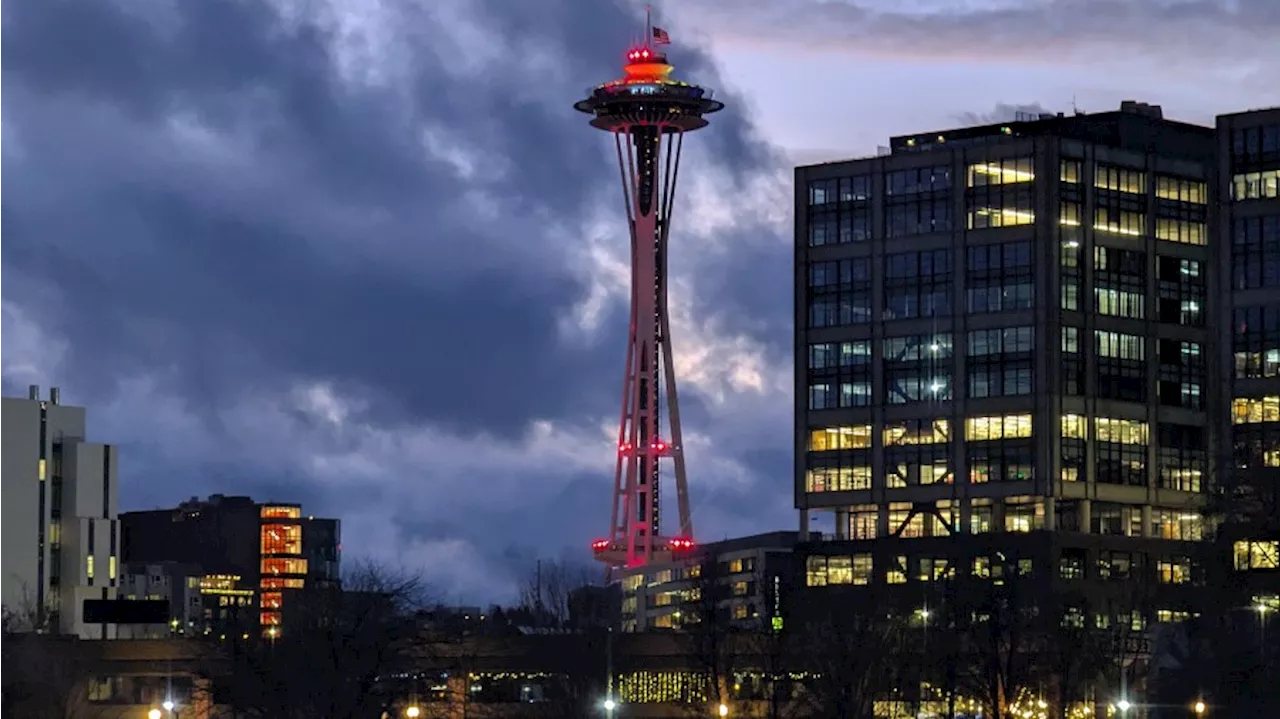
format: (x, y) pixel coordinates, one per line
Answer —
(199, 603)
(1005, 339)
(743, 581)
(60, 530)
(271, 547)
(1249, 270)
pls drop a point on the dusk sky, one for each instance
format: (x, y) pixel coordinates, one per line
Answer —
(364, 255)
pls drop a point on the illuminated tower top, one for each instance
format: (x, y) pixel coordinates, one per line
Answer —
(648, 95)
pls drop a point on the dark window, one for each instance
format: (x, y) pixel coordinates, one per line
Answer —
(840, 374)
(999, 278)
(1122, 365)
(917, 368)
(917, 284)
(1182, 374)
(1183, 458)
(1253, 147)
(1000, 361)
(839, 292)
(919, 201)
(1001, 460)
(1122, 463)
(1120, 282)
(1181, 286)
(1255, 252)
(1072, 362)
(1256, 445)
(1255, 341)
(839, 210)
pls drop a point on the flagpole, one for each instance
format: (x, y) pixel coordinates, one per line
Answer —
(648, 25)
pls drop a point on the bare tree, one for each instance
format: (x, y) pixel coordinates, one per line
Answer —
(337, 654)
(545, 593)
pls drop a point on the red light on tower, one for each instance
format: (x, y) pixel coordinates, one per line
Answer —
(648, 114)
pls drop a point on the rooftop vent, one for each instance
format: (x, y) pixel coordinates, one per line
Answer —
(1134, 107)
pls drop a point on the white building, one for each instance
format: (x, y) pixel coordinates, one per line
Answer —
(59, 536)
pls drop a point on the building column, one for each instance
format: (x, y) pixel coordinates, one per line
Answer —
(842, 524)
(1146, 520)
(1086, 515)
(804, 524)
(1050, 514)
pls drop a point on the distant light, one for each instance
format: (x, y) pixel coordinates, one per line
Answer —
(153, 714)
(168, 705)
(610, 705)
(724, 710)
(413, 712)
(1123, 705)
(1199, 706)
(644, 53)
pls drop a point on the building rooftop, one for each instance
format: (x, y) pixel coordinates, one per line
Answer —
(1135, 126)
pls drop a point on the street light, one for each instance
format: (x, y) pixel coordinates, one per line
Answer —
(153, 714)
(1199, 707)
(723, 710)
(413, 712)
(1123, 705)
(168, 705)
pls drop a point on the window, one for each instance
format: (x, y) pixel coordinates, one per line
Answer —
(1071, 564)
(1010, 426)
(1075, 433)
(1180, 189)
(277, 512)
(1119, 222)
(999, 448)
(917, 284)
(282, 583)
(1120, 277)
(1001, 361)
(1069, 171)
(1120, 520)
(1255, 145)
(999, 278)
(1250, 410)
(826, 571)
(838, 479)
(839, 292)
(1000, 193)
(1255, 252)
(1260, 554)
(917, 452)
(827, 439)
(1183, 456)
(1120, 179)
(839, 210)
(1181, 374)
(1181, 287)
(1184, 231)
(1120, 566)
(839, 374)
(281, 539)
(1179, 524)
(980, 515)
(1255, 341)
(283, 566)
(1175, 570)
(864, 521)
(919, 201)
(1256, 445)
(1255, 185)
(1121, 451)
(917, 368)
(1072, 362)
(1069, 256)
(1121, 366)
(1023, 514)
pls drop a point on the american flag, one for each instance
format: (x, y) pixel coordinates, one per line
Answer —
(660, 37)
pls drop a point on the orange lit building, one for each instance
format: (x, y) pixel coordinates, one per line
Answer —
(271, 546)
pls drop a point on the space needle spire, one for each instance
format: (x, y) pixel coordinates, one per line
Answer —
(648, 113)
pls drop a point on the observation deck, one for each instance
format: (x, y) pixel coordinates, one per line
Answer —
(647, 95)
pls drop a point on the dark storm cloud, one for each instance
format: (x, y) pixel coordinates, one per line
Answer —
(199, 197)
(474, 349)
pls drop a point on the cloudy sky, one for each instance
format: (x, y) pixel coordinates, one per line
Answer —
(362, 254)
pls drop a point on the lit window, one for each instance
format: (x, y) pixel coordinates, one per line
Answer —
(1256, 185)
(88, 566)
(1119, 303)
(1023, 514)
(1174, 571)
(270, 619)
(1119, 222)
(1075, 426)
(864, 521)
(1120, 179)
(283, 566)
(1069, 171)
(41, 469)
(1180, 190)
(1009, 426)
(827, 439)
(1119, 345)
(1251, 410)
(1184, 231)
(281, 539)
(277, 512)
(1120, 431)
(838, 479)
(1003, 172)
(1257, 555)
(914, 432)
(111, 567)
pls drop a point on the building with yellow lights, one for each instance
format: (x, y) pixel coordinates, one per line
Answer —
(60, 529)
(252, 556)
(1006, 344)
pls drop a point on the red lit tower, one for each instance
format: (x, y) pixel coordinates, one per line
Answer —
(648, 112)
